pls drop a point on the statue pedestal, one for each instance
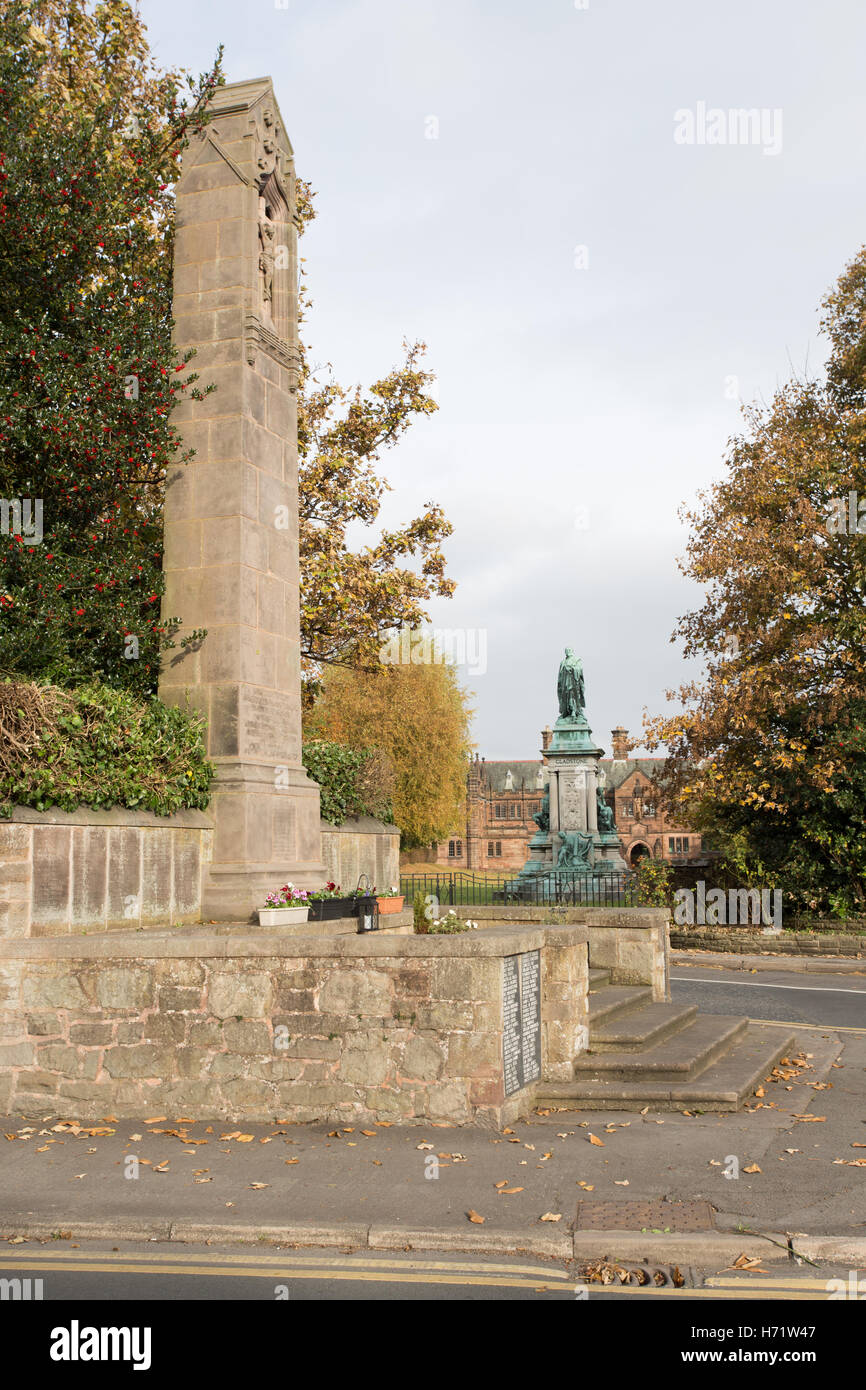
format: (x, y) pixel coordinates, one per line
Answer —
(572, 851)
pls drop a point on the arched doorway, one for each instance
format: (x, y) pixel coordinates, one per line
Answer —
(637, 852)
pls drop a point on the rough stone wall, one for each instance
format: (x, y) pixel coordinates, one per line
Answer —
(631, 942)
(260, 1028)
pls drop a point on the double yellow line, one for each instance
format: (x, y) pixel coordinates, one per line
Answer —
(381, 1269)
(292, 1266)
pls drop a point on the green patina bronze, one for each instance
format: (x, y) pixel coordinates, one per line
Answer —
(576, 845)
(570, 687)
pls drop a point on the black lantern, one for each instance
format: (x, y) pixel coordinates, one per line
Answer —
(367, 906)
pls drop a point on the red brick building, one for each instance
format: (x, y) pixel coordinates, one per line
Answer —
(503, 797)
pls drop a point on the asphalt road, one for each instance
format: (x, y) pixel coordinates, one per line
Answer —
(153, 1272)
(838, 1001)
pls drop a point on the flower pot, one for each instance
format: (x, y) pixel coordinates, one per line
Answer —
(390, 904)
(282, 916)
(328, 909)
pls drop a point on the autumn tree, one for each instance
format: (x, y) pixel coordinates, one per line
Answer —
(418, 716)
(352, 598)
(767, 753)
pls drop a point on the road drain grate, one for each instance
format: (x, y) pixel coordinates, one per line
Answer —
(656, 1217)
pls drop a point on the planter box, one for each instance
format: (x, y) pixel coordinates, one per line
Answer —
(390, 905)
(282, 916)
(328, 909)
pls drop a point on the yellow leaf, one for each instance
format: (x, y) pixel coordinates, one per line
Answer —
(475, 1218)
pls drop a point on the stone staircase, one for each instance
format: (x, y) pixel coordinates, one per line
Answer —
(667, 1056)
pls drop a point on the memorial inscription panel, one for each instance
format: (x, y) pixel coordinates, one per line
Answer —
(521, 1020)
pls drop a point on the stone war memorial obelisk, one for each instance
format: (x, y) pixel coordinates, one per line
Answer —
(231, 514)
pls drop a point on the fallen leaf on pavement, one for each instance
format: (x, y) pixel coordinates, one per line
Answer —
(475, 1218)
(752, 1168)
(258, 1185)
(594, 1139)
(509, 1191)
(620, 1182)
(157, 1120)
(552, 1216)
(503, 1183)
(752, 1263)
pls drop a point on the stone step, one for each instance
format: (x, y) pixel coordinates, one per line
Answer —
(723, 1086)
(678, 1058)
(641, 1028)
(614, 1000)
(598, 978)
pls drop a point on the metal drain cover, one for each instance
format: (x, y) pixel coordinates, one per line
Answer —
(645, 1216)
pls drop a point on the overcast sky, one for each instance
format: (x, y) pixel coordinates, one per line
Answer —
(598, 278)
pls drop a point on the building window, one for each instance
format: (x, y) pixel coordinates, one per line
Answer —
(489, 849)
(498, 849)
(685, 844)
(455, 849)
(451, 848)
(512, 811)
(671, 845)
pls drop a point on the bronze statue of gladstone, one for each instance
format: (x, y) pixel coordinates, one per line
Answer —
(570, 688)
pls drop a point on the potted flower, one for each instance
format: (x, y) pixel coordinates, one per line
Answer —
(287, 904)
(392, 901)
(330, 902)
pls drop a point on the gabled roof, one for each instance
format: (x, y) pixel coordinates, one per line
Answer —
(619, 770)
(524, 773)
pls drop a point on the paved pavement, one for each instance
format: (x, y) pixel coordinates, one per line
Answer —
(798, 1152)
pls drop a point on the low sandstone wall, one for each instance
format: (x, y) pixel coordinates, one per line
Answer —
(87, 870)
(66, 872)
(268, 1025)
(631, 942)
(786, 943)
(362, 845)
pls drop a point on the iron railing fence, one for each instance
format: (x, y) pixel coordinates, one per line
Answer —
(560, 889)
